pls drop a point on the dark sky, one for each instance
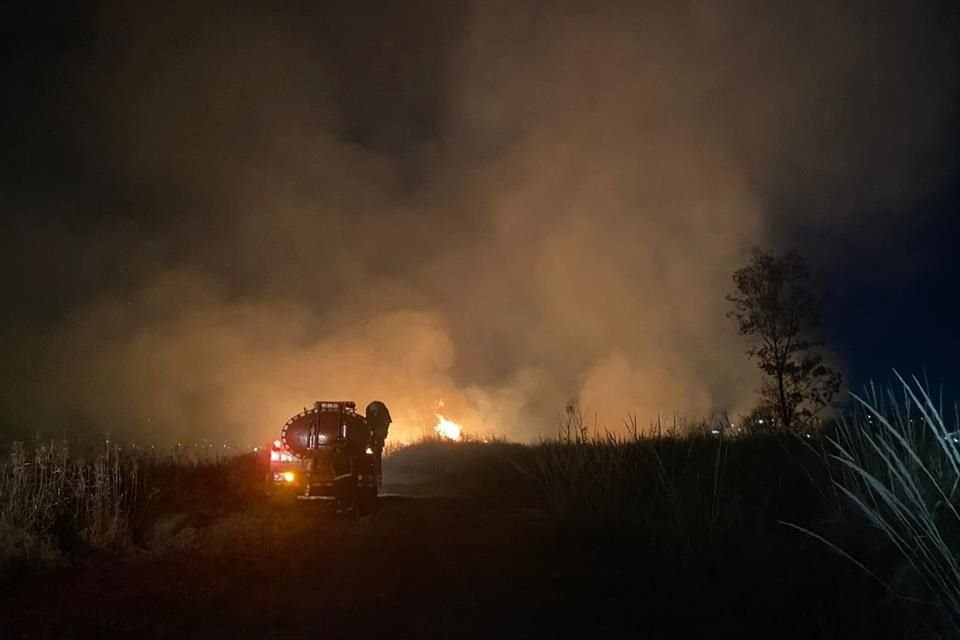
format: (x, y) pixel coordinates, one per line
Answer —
(214, 211)
(882, 319)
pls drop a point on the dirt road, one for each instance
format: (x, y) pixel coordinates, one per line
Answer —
(419, 567)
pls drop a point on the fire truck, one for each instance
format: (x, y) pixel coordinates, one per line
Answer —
(331, 452)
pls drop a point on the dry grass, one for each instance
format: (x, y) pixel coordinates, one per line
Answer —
(701, 513)
(683, 494)
(51, 501)
(56, 502)
(882, 487)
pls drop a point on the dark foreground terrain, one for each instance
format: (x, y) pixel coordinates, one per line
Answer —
(420, 567)
(473, 551)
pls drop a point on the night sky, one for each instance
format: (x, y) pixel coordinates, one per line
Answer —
(883, 320)
(215, 213)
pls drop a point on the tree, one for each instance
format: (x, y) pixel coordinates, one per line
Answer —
(775, 304)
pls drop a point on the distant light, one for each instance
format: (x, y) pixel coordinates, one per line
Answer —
(369, 451)
(760, 421)
(289, 476)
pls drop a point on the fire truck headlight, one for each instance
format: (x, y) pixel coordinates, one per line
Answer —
(289, 476)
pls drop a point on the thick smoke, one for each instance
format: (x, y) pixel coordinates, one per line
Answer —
(501, 206)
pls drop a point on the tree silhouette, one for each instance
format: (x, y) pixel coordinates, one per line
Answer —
(774, 303)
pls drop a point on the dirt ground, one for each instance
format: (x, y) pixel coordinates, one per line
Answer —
(419, 567)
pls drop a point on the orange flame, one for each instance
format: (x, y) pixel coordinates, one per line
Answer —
(448, 429)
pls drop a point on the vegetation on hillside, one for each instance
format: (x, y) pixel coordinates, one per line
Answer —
(869, 506)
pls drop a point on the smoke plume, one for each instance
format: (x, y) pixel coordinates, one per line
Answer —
(500, 205)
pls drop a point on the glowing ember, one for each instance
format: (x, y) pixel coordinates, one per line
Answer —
(447, 428)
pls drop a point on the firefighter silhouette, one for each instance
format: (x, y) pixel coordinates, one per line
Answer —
(378, 419)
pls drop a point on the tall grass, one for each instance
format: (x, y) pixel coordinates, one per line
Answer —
(54, 500)
(897, 463)
(50, 500)
(684, 494)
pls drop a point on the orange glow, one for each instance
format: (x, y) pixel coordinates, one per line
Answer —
(289, 476)
(448, 429)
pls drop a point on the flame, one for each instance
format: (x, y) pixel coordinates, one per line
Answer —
(448, 429)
